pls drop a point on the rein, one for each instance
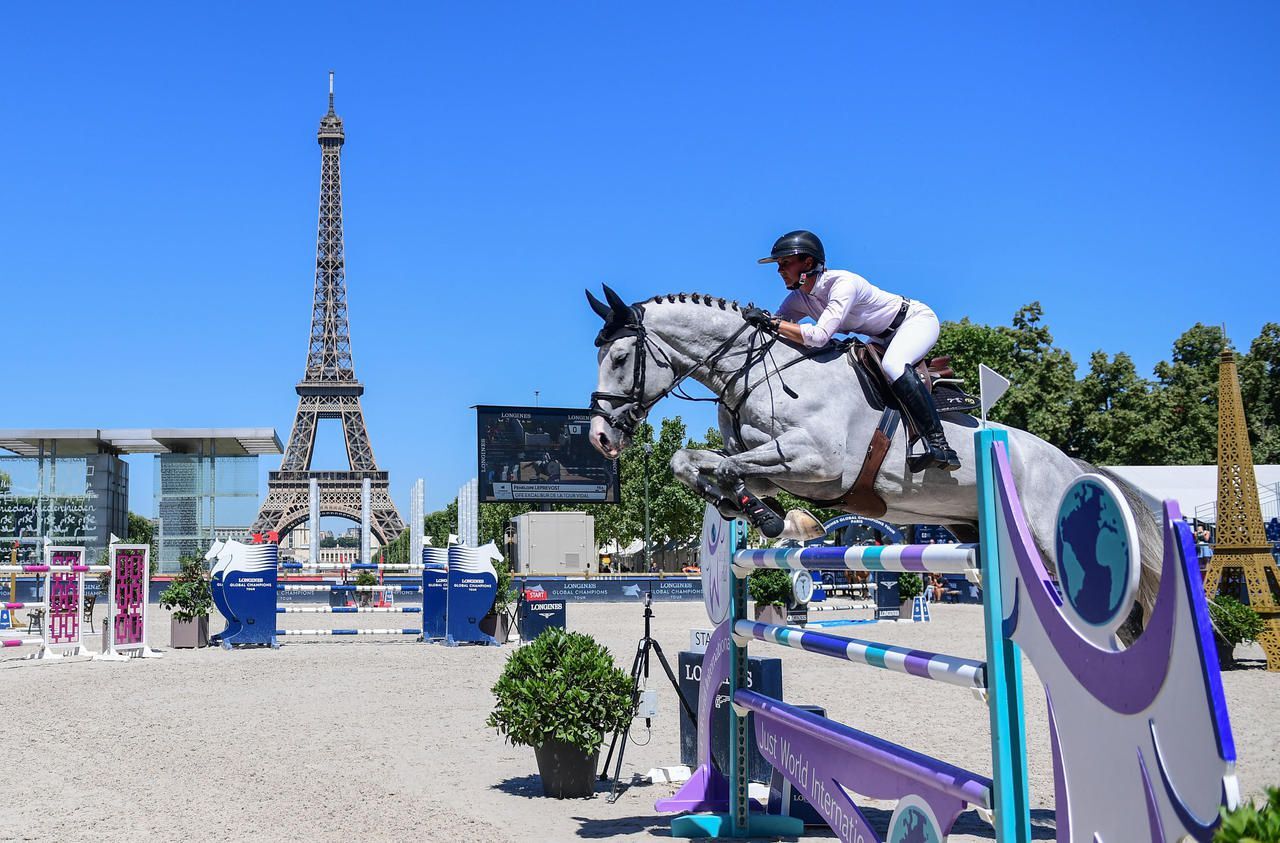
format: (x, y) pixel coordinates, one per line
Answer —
(630, 408)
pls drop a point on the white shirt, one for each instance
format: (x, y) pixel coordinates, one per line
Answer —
(841, 302)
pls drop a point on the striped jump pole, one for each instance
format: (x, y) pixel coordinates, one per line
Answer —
(351, 566)
(348, 632)
(55, 569)
(837, 608)
(901, 558)
(965, 673)
(346, 610)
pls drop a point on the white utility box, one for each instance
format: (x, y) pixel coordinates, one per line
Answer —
(555, 543)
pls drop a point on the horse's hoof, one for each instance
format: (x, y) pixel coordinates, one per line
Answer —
(801, 526)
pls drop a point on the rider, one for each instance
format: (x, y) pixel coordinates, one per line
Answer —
(841, 301)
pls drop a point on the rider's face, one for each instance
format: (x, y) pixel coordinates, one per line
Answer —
(791, 267)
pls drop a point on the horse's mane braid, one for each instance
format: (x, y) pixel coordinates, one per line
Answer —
(696, 298)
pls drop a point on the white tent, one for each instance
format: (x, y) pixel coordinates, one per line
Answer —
(1195, 487)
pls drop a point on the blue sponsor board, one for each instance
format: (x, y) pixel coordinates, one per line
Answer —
(472, 586)
(435, 603)
(619, 590)
(536, 616)
(888, 603)
(243, 585)
(763, 675)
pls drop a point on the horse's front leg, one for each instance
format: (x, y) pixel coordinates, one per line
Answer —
(791, 454)
(696, 469)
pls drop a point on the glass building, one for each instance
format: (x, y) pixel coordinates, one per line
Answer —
(73, 498)
(202, 497)
(72, 486)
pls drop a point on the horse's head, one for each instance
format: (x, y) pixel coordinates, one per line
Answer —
(635, 373)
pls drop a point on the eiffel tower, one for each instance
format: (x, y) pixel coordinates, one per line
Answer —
(329, 389)
(1242, 540)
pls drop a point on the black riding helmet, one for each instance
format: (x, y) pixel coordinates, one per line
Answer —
(797, 243)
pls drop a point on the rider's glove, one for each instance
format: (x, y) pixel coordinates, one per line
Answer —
(759, 317)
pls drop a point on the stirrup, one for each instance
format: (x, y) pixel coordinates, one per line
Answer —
(935, 456)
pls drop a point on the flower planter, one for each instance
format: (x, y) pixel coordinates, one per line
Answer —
(567, 772)
(498, 626)
(189, 634)
(776, 615)
(1226, 653)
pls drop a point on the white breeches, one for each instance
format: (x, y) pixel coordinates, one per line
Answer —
(911, 342)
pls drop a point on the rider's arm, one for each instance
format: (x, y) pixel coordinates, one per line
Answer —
(840, 300)
(785, 320)
(790, 331)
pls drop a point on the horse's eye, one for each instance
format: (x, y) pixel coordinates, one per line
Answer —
(618, 355)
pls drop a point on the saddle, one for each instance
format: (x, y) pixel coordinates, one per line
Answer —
(935, 372)
(938, 376)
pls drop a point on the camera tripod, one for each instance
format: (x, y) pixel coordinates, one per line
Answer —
(640, 670)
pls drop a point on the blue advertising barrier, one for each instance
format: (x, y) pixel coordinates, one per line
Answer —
(612, 589)
(473, 583)
(243, 583)
(435, 602)
(537, 616)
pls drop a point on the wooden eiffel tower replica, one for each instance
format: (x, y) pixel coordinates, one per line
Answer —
(1242, 540)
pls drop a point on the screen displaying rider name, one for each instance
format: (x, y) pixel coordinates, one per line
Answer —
(541, 455)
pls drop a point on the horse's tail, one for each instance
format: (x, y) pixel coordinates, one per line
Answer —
(1150, 540)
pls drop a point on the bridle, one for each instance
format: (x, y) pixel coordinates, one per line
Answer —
(631, 408)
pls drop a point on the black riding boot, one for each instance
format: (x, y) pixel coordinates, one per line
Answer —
(918, 404)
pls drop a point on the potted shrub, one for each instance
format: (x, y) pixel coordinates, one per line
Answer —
(910, 586)
(497, 623)
(770, 588)
(561, 694)
(1233, 623)
(365, 577)
(190, 600)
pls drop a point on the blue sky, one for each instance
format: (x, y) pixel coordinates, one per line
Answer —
(1114, 161)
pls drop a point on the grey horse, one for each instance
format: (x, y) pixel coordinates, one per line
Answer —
(800, 422)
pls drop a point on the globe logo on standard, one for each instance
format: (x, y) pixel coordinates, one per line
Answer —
(714, 560)
(913, 822)
(1096, 545)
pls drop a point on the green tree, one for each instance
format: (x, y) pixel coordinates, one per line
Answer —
(969, 344)
(141, 530)
(438, 525)
(1114, 416)
(1187, 398)
(1042, 376)
(1260, 389)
